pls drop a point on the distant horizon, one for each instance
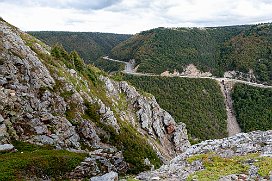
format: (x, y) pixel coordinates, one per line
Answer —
(132, 16)
(66, 31)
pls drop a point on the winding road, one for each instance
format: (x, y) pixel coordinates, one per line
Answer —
(129, 66)
(226, 85)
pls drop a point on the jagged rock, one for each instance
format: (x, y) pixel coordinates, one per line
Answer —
(111, 176)
(45, 104)
(100, 161)
(87, 131)
(155, 121)
(180, 138)
(6, 148)
(107, 116)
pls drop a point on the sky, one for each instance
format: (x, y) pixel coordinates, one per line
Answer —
(131, 16)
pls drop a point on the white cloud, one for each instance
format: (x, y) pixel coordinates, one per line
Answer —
(131, 16)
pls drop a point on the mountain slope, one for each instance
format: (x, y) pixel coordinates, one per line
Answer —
(217, 50)
(52, 98)
(198, 103)
(89, 45)
(252, 107)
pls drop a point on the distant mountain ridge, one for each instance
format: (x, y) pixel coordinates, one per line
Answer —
(243, 49)
(90, 45)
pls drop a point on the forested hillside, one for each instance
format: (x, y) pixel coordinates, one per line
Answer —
(253, 107)
(198, 103)
(220, 49)
(89, 45)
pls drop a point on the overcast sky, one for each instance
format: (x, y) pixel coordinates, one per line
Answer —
(131, 16)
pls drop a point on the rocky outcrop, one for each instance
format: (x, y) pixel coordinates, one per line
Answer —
(100, 161)
(240, 144)
(250, 77)
(152, 120)
(44, 102)
(27, 105)
(189, 71)
(33, 102)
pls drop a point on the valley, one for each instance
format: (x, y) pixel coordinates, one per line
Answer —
(69, 112)
(226, 86)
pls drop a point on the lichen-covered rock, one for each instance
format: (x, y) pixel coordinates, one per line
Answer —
(99, 162)
(238, 145)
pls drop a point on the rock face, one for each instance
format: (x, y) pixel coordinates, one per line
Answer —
(240, 144)
(27, 108)
(150, 119)
(100, 161)
(250, 77)
(44, 102)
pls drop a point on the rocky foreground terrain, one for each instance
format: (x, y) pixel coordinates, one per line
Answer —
(245, 156)
(51, 98)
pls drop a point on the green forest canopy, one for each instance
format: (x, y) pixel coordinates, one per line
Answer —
(253, 107)
(217, 50)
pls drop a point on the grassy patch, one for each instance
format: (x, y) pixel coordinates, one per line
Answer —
(37, 161)
(216, 166)
(265, 166)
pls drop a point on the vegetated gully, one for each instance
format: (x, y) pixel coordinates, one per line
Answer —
(226, 86)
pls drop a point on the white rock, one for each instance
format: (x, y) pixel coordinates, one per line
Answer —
(111, 176)
(155, 178)
(1, 119)
(6, 147)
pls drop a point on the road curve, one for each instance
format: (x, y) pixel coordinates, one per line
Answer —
(226, 86)
(129, 69)
(129, 66)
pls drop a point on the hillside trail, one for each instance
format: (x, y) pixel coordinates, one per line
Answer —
(226, 86)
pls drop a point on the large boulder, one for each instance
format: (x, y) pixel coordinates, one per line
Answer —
(6, 148)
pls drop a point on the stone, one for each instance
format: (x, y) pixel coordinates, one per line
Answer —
(237, 145)
(100, 161)
(147, 162)
(155, 178)
(72, 71)
(253, 171)
(229, 178)
(6, 148)
(111, 176)
(1, 119)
